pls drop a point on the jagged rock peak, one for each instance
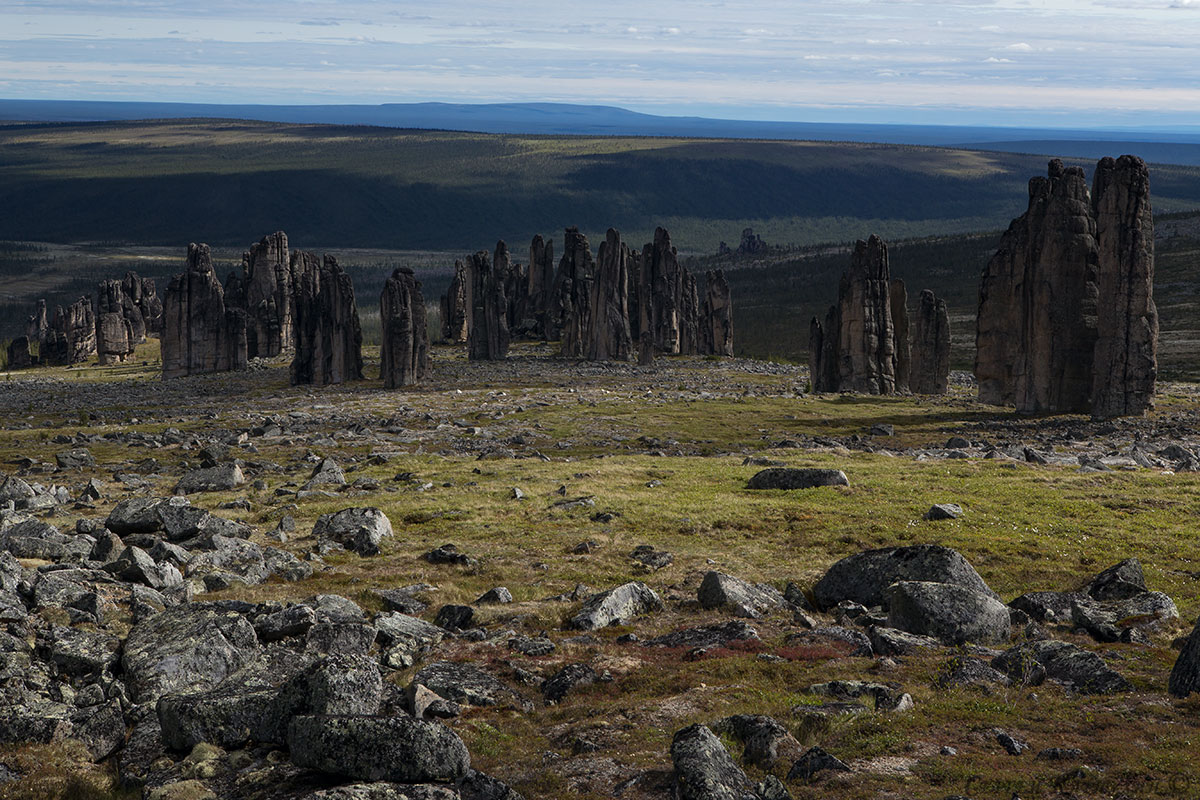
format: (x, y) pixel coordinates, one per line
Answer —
(265, 289)
(405, 349)
(931, 346)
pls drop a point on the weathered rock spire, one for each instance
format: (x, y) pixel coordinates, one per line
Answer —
(405, 351)
(488, 330)
(931, 346)
(199, 334)
(456, 306)
(327, 331)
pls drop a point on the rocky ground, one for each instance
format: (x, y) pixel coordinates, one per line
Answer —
(543, 578)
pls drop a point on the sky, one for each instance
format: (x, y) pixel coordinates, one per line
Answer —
(1053, 63)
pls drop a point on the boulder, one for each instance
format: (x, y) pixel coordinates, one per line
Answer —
(704, 770)
(360, 530)
(1081, 670)
(1106, 621)
(761, 737)
(1119, 582)
(864, 577)
(953, 614)
(789, 478)
(405, 639)
(617, 606)
(464, 683)
(220, 478)
(566, 680)
(185, 649)
(708, 636)
(398, 748)
(1185, 675)
(737, 596)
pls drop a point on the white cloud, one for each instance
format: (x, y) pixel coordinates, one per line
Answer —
(1022, 47)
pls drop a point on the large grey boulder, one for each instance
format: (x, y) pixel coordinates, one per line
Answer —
(864, 577)
(220, 478)
(616, 606)
(185, 648)
(357, 529)
(737, 596)
(1119, 582)
(790, 478)
(405, 639)
(142, 514)
(1107, 621)
(378, 748)
(1081, 670)
(78, 652)
(950, 613)
(704, 770)
(1185, 675)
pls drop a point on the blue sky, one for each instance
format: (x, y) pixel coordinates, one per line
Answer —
(1062, 63)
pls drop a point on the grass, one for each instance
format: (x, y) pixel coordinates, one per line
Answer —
(1025, 528)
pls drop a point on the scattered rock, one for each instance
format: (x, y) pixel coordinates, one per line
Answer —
(735, 595)
(788, 478)
(360, 530)
(864, 577)
(954, 614)
(616, 606)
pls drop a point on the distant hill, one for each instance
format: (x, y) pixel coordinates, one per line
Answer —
(1173, 147)
(229, 182)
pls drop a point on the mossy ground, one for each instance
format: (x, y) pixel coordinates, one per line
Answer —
(662, 453)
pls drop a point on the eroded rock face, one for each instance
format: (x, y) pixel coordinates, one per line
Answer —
(18, 353)
(1036, 325)
(115, 339)
(487, 335)
(858, 347)
(898, 301)
(404, 356)
(542, 299)
(717, 315)
(37, 327)
(1125, 366)
(112, 298)
(576, 271)
(264, 289)
(456, 306)
(199, 333)
(144, 293)
(72, 337)
(328, 334)
(608, 336)
(1067, 321)
(931, 346)
(662, 295)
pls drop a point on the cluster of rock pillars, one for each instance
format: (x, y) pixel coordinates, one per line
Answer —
(1066, 320)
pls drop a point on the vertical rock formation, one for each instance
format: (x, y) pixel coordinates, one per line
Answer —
(1125, 365)
(327, 333)
(120, 325)
(265, 289)
(199, 334)
(115, 337)
(717, 315)
(456, 306)
(899, 308)
(931, 346)
(38, 326)
(662, 279)
(405, 351)
(516, 290)
(573, 286)
(1066, 317)
(855, 350)
(689, 314)
(488, 329)
(541, 294)
(71, 338)
(19, 356)
(144, 294)
(751, 244)
(607, 335)
(866, 336)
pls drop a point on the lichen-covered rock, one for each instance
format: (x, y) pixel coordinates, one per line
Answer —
(865, 577)
(404, 355)
(185, 649)
(1125, 366)
(739, 597)
(1083, 671)
(464, 683)
(328, 335)
(220, 478)
(931, 346)
(199, 333)
(616, 606)
(357, 529)
(1185, 675)
(953, 614)
(704, 770)
(789, 478)
(378, 748)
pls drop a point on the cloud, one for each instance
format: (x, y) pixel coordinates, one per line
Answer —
(1021, 47)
